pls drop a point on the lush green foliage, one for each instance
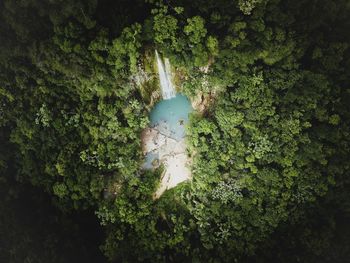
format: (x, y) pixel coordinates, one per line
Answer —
(273, 144)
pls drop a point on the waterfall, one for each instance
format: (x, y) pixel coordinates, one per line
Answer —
(168, 75)
(166, 85)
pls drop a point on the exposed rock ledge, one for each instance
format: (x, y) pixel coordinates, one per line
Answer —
(202, 101)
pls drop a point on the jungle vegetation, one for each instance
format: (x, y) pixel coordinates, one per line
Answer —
(270, 153)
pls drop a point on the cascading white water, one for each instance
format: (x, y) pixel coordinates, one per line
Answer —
(166, 85)
(168, 75)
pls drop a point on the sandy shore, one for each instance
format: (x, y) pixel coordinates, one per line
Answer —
(171, 153)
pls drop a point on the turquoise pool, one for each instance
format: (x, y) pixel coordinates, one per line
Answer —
(170, 116)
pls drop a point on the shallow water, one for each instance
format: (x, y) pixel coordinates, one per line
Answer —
(170, 116)
(149, 158)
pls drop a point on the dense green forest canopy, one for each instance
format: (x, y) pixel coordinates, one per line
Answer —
(270, 154)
